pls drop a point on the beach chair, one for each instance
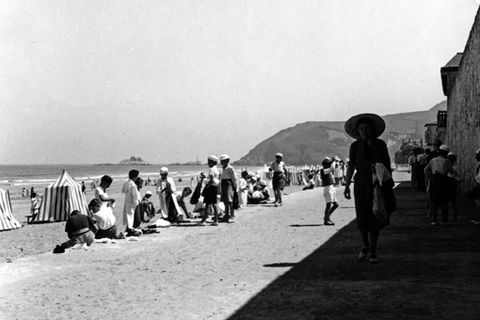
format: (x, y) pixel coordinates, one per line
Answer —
(34, 209)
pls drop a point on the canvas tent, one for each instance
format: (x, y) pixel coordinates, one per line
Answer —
(7, 220)
(61, 198)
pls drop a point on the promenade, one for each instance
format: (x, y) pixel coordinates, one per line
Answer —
(273, 263)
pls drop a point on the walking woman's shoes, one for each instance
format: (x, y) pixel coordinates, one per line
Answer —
(372, 258)
(362, 256)
(328, 222)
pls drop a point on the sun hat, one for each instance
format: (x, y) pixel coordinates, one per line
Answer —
(444, 147)
(336, 158)
(327, 159)
(279, 154)
(163, 170)
(351, 126)
(148, 193)
(213, 158)
(224, 157)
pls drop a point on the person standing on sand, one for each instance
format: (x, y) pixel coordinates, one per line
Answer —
(210, 191)
(437, 171)
(278, 181)
(365, 152)
(165, 188)
(101, 192)
(131, 201)
(329, 190)
(228, 185)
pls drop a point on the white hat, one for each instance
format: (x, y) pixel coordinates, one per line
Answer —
(163, 170)
(336, 158)
(279, 154)
(224, 157)
(444, 147)
(213, 158)
(478, 151)
(148, 193)
(327, 159)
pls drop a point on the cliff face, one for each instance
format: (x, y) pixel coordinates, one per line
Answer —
(310, 142)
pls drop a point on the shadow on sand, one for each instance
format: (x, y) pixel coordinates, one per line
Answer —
(424, 273)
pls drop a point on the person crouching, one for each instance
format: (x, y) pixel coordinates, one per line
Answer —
(80, 229)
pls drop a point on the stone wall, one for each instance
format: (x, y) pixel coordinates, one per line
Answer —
(463, 122)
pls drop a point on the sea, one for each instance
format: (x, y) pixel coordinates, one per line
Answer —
(27, 176)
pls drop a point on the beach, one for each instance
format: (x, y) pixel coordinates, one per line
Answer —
(183, 272)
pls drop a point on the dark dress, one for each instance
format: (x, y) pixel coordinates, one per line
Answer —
(362, 157)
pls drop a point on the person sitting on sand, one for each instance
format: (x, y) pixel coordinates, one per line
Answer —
(260, 194)
(105, 220)
(311, 184)
(145, 209)
(80, 229)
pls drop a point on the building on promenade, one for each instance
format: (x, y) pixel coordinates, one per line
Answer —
(461, 84)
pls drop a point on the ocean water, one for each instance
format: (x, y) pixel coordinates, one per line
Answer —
(32, 175)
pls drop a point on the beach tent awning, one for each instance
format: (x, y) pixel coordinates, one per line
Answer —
(61, 198)
(7, 220)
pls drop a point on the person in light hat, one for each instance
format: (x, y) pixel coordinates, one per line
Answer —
(165, 189)
(210, 191)
(365, 152)
(228, 187)
(279, 174)
(436, 172)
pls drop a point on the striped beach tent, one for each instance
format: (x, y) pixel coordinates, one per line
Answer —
(7, 220)
(61, 198)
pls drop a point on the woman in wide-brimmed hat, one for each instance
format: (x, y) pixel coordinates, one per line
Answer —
(365, 152)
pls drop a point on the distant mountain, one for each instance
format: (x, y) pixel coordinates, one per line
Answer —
(134, 161)
(310, 142)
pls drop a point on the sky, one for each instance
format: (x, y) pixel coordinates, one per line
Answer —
(98, 81)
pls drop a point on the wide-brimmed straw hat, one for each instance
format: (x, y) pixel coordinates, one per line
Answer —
(351, 126)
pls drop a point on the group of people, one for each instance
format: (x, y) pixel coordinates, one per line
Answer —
(216, 186)
(369, 169)
(434, 171)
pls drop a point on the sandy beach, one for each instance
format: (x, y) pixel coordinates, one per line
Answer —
(184, 272)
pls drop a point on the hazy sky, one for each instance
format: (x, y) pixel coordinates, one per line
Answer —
(98, 81)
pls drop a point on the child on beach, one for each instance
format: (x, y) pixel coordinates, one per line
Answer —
(80, 229)
(228, 185)
(243, 188)
(210, 191)
(329, 191)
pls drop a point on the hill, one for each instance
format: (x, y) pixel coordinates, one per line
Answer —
(310, 142)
